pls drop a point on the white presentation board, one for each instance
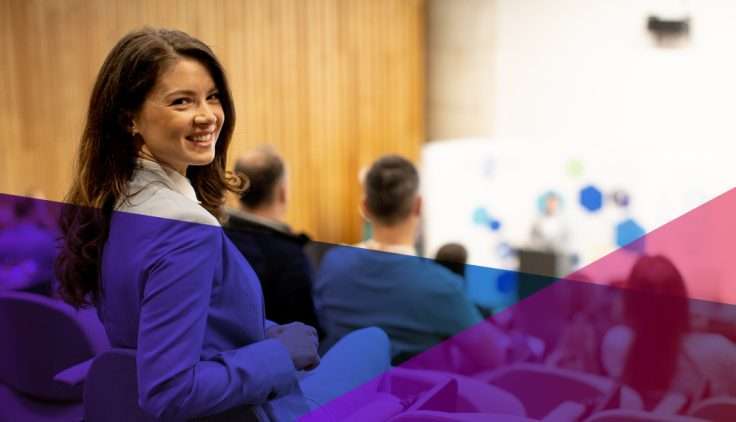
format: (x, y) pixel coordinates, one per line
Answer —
(485, 194)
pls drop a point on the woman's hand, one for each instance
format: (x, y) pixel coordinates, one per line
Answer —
(300, 340)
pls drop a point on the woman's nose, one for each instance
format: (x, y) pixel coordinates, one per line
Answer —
(205, 116)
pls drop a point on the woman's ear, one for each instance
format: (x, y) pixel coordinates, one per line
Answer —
(132, 128)
(128, 120)
(132, 125)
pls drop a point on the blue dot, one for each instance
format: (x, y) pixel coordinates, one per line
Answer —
(480, 216)
(506, 282)
(591, 198)
(630, 235)
(495, 225)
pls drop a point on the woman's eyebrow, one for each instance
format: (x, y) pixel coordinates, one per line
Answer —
(188, 92)
(180, 92)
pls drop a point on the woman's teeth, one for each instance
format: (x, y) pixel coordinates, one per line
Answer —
(201, 138)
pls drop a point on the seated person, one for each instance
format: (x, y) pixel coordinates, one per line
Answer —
(656, 352)
(27, 248)
(587, 311)
(276, 254)
(142, 241)
(416, 301)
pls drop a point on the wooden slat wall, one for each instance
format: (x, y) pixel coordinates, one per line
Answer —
(332, 84)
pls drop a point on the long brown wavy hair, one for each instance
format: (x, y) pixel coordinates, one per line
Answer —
(108, 151)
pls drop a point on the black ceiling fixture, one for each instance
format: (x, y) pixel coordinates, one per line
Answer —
(669, 32)
(668, 27)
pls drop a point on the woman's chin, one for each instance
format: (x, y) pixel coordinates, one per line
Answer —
(202, 160)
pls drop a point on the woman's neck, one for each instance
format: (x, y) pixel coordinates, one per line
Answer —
(146, 154)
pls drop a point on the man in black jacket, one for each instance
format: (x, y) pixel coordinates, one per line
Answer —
(275, 252)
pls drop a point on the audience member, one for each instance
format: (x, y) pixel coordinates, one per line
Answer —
(277, 255)
(143, 241)
(656, 352)
(587, 310)
(454, 257)
(416, 301)
(27, 246)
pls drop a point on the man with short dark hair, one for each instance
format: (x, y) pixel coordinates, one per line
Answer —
(392, 204)
(391, 186)
(382, 283)
(273, 250)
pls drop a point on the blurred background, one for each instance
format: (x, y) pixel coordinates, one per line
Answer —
(619, 113)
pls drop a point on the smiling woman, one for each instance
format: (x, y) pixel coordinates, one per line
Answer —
(181, 117)
(173, 287)
(158, 94)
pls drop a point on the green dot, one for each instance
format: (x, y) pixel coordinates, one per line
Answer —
(575, 168)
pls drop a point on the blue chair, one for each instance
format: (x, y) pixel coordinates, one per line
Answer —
(111, 391)
(111, 388)
(41, 337)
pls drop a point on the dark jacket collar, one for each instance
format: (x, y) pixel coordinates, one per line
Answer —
(243, 221)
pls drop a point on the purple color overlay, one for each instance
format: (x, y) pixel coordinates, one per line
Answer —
(624, 334)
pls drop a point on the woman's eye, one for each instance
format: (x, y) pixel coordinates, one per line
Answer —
(181, 101)
(214, 97)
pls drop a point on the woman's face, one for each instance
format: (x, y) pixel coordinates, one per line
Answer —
(181, 117)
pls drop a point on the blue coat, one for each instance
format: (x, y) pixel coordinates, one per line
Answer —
(177, 290)
(416, 301)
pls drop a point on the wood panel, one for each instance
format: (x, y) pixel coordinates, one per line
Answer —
(332, 84)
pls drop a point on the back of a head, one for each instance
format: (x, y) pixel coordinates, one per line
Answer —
(264, 169)
(453, 256)
(655, 280)
(656, 307)
(390, 187)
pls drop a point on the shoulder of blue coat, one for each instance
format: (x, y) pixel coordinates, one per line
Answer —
(157, 200)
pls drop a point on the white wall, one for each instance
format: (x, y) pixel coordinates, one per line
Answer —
(586, 74)
(583, 79)
(577, 69)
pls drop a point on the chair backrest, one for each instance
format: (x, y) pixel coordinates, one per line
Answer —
(624, 415)
(41, 337)
(111, 392)
(716, 409)
(472, 395)
(111, 388)
(541, 388)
